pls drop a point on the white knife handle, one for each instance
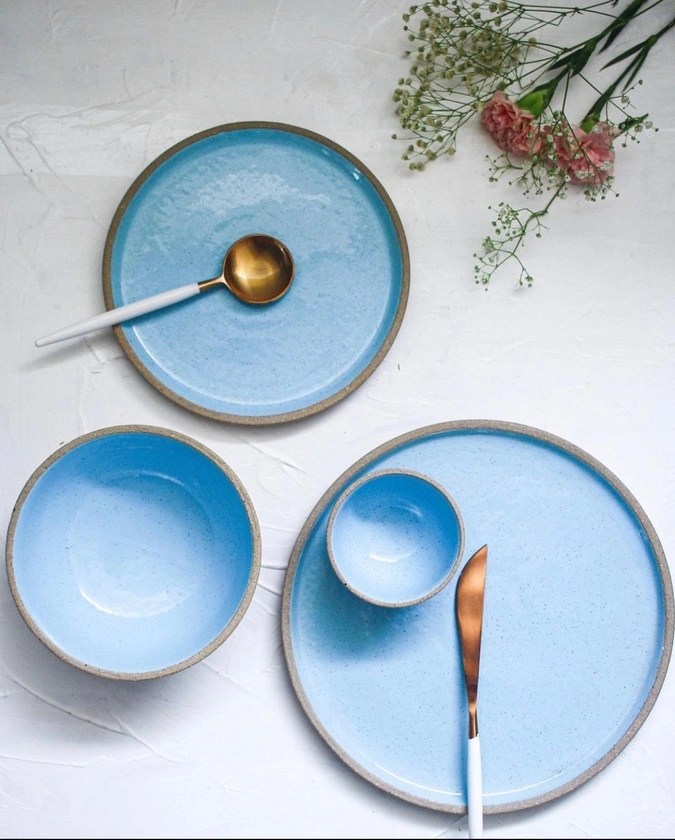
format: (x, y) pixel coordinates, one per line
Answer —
(475, 788)
(121, 313)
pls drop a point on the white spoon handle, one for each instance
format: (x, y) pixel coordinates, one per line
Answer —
(475, 788)
(121, 313)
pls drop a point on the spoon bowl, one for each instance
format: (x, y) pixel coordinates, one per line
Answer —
(257, 269)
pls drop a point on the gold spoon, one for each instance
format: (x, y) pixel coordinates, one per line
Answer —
(257, 269)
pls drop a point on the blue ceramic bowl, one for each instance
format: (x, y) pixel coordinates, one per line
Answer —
(395, 538)
(133, 552)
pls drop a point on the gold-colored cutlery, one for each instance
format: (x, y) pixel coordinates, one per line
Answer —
(469, 599)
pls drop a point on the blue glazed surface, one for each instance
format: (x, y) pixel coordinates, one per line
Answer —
(134, 553)
(395, 538)
(578, 627)
(230, 360)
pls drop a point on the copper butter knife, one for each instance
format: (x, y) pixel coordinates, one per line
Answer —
(469, 609)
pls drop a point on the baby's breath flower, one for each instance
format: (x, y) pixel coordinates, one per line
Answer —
(468, 50)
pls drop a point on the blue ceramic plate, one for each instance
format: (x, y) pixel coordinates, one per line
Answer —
(577, 635)
(133, 552)
(229, 360)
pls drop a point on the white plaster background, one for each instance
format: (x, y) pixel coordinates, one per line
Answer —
(90, 93)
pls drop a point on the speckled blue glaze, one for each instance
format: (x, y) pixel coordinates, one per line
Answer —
(230, 360)
(395, 538)
(133, 552)
(577, 635)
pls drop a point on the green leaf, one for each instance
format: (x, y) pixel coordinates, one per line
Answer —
(622, 21)
(623, 55)
(636, 69)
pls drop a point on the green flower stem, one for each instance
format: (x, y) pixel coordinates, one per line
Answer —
(640, 51)
(621, 22)
(537, 100)
(500, 251)
(574, 59)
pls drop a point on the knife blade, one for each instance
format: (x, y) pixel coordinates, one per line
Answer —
(469, 598)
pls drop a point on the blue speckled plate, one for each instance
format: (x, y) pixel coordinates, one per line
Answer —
(577, 636)
(133, 552)
(235, 362)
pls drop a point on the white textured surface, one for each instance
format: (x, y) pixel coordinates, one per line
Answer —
(90, 93)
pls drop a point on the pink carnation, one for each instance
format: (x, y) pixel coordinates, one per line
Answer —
(587, 157)
(512, 128)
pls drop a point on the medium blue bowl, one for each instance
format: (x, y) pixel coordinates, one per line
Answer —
(133, 552)
(395, 538)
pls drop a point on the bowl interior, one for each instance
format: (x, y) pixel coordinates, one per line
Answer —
(395, 538)
(134, 553)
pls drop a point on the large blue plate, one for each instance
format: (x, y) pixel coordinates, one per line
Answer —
(578, 627)
(235, 362)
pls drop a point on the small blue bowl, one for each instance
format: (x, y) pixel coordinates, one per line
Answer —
(133, 552)
(395, 538)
